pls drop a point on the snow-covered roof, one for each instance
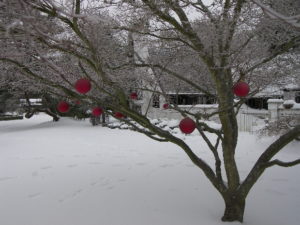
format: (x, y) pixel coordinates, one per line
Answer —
(184, 93)
(275, 101)
(270, 91)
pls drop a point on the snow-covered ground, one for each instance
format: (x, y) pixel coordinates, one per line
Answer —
(71, 173)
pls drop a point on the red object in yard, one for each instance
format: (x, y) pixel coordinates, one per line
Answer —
(97, 111)
(241, 89)
(63, 107)
(119, 115)
(166, 106)
(133, 95)
(83, 86)
(187, 125)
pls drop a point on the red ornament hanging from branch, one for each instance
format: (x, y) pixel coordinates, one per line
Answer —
(97, 111)
(134, 96)
(241, 89)
(63, 107)
(83, 86)
(119, 115)
(166, 106)
(187, 125)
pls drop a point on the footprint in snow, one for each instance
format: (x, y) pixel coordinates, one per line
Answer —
(117, 165)
(69, 196)
(95, 163)
(72, 165)
(46, 167)
(6, 178)
(119, 156)
(172, 190)
(35, 174)
(122, 180)
(34, 195)
(14, 158)
(38, 158)
(94, 183)
(79, 156)
(280, 179)
(106, 182)
(189, 165)
(110, 188)
(172, 157)
(166, 165)
(274, 192)
(76, 193)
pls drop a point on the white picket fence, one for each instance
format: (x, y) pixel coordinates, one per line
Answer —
(249, 121)
(245, 122)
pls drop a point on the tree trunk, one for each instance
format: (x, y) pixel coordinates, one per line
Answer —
(234, 209)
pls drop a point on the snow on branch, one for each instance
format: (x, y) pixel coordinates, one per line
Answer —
(292, 20)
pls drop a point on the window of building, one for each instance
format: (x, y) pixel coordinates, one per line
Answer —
(191, 99)
(297, 97)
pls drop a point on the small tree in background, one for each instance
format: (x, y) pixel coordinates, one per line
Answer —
(226, 43)
(8, 102)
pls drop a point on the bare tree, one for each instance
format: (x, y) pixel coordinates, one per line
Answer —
(227, 46)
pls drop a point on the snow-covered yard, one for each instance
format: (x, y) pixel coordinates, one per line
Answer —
(70, 173)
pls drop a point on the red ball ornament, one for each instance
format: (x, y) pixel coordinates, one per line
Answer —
(166, 106)
(63, 107)
(83, 85)
(133, 95)
(119, 115)
(187, 125)
(241, 89)
(97, 111)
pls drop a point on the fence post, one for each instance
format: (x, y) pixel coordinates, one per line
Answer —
(273, 108)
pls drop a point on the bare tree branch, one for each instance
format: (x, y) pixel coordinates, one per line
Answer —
(281, 163)
(291, 20)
